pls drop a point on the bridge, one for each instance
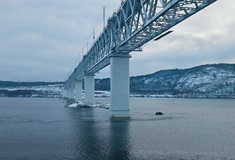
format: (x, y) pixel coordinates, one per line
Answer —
(135, 23)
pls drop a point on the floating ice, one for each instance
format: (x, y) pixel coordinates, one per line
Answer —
(81, 104)
(73, 105)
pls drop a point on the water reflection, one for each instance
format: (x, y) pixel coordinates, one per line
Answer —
(120, 139)
(96, 137)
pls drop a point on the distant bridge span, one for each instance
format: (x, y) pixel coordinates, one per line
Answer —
(135, 23)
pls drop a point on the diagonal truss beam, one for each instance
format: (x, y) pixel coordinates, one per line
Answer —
(135, 23)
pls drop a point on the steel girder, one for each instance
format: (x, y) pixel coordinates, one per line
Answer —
(135, 23)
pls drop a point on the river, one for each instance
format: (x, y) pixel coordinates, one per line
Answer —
(42, 128)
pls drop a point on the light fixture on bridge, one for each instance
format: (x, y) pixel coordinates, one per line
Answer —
(163, 35)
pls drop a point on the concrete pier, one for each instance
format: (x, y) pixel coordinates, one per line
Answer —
(78, 90)
(89, 89)
(71, 92)
(120, 85)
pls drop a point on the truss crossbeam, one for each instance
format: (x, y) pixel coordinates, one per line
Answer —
(134, 24)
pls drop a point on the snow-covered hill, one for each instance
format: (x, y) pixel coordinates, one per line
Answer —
(30, 89)
(206, 81)
(209, 81)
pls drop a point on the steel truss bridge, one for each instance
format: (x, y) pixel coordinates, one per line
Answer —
(135, 23)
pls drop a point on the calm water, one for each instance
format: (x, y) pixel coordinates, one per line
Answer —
(189, 129)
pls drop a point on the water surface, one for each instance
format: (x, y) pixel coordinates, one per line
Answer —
(38, 128)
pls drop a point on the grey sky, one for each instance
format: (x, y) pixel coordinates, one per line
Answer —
(43, 40)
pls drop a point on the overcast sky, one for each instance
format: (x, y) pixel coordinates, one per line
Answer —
(42, 40)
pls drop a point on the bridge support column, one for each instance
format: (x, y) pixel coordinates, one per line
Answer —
(89, 89)
(120, 88)
(71, 92)
(65, 93)
(78, 90)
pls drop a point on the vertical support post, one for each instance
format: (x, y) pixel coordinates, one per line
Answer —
(71, 92)
(67, 92)
(120, 85)
(78, 90)
(64, 93)
(89, 89)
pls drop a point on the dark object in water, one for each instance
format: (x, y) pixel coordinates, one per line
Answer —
(158, 113)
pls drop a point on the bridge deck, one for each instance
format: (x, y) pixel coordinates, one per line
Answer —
(134, 24)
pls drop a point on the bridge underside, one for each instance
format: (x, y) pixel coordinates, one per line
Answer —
(134, 24)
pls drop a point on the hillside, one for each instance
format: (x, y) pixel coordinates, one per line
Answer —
(206, 81)
(26, 84)
(30, 89)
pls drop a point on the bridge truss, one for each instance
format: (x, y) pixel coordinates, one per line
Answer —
(135, 23)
